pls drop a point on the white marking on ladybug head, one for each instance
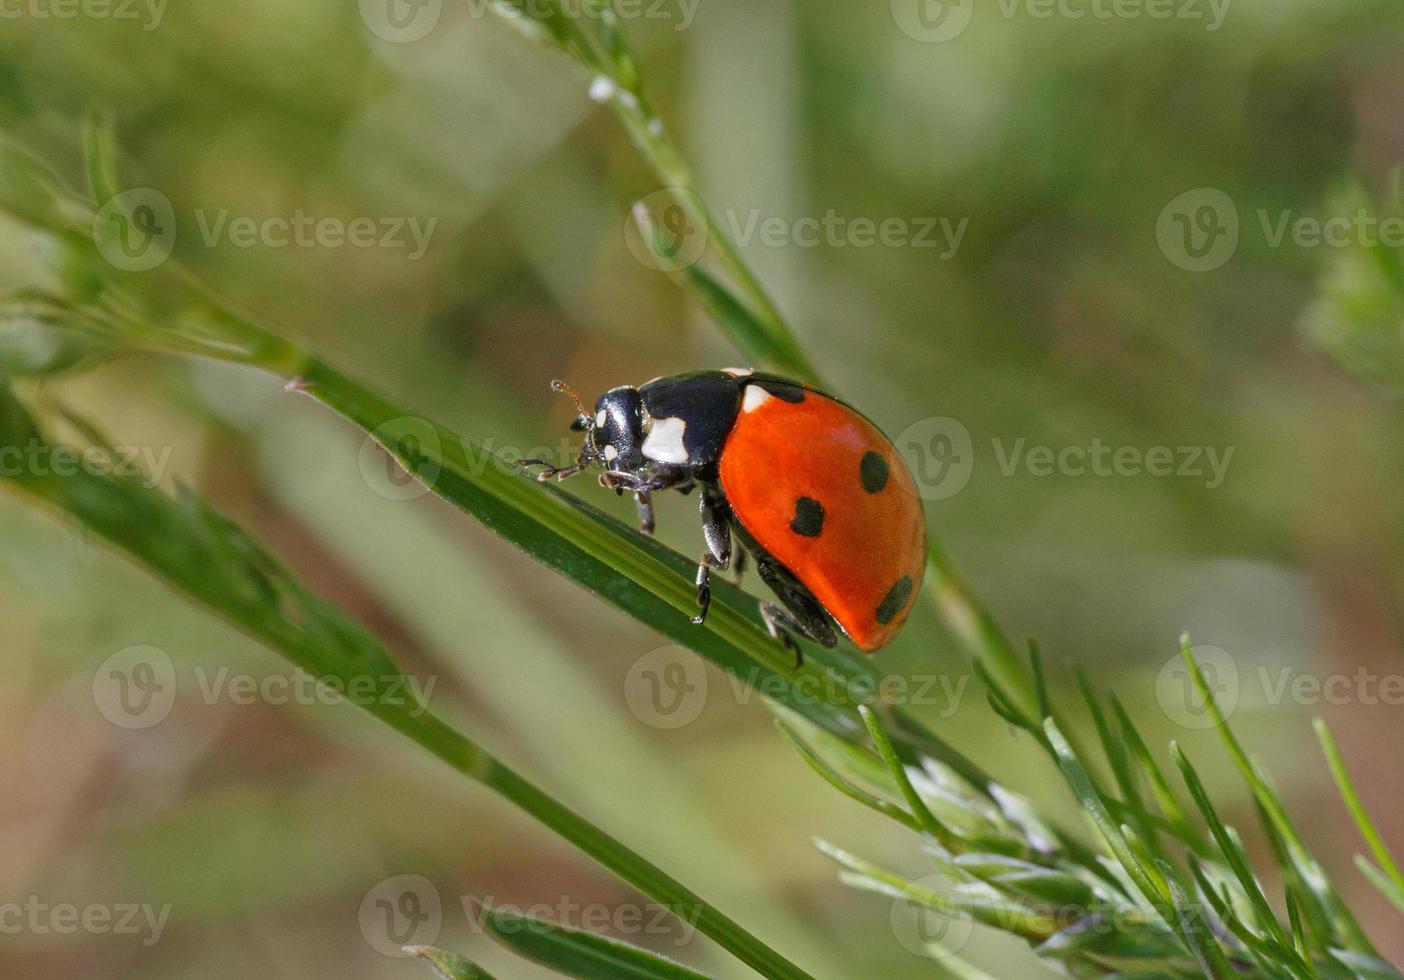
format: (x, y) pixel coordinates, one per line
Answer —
(610, 454)
(739, 372)
(665, 441)
(600, 418)
(755, 397)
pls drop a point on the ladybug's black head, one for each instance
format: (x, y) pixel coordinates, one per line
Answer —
(616, 429)
(613, 433)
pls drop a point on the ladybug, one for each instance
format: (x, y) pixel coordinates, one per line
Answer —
(804, 482)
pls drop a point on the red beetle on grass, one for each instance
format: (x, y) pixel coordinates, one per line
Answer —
(811, 488)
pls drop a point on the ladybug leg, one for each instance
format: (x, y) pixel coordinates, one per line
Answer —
(802, 613)
(644, 500)
(716, 531)
(779, 623)
(738, 565)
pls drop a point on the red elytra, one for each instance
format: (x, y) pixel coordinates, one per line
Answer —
(857, 539)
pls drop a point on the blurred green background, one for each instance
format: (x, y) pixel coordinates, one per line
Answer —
(1062, 318)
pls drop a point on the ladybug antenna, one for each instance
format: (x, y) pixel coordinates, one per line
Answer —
(586, 420)
(588, 453)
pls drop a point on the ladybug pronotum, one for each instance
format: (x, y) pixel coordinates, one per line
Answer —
(806, 484)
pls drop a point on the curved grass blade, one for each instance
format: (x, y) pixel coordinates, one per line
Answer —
(915, 804)
(1381, 881)
(837, 780)
(197, 551)
(448, 965)
(1383, 858)
(1232, 852)
(1328, 904)
(579, 954)
(619, 564)
(1027, 923)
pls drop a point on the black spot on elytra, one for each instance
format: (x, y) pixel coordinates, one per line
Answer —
(895, 600)
(873, 470)
(809, 518)
(793, 394)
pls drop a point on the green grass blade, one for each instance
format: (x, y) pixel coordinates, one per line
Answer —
(579, 954)
(1146, 879)
(1113, 748)
(1015, 919)
(450, 966)
(1196, 931)
(1267, 955)
(836, 779)
(1383, 858)
(1165, 797)
(100, 155)
(915, 803)
(1381, 881)
(616, 562)
(200, 553)
(1231, 850)
(1310, 871)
